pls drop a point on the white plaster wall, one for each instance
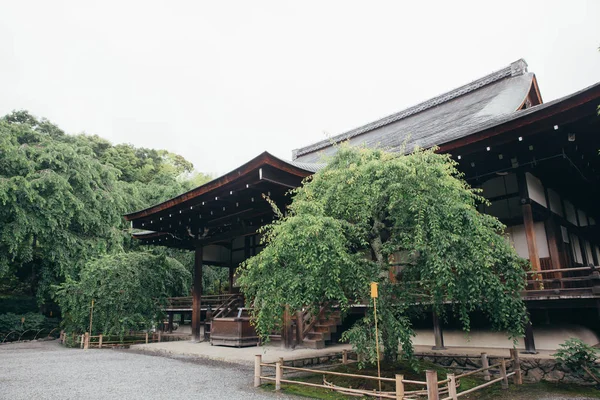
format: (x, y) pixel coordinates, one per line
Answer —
(519, 240)
(555, 202)
(547, 337)
(582, 218)
(570, 210)
(535, 189)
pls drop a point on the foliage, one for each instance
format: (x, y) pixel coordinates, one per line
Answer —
(369, 212)
(22, 323)
(62, 198)
(579, 357)
(128, 290)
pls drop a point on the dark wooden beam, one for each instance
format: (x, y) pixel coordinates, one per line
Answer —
(197, 294)
(278, 177)
(438, 333)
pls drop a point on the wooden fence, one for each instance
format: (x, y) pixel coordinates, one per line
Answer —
(87, 341)
(430, 387)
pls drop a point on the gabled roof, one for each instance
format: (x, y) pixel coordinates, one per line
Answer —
(439, 119)
(244, 171)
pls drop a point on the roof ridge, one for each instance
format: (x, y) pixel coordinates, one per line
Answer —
(516, 68)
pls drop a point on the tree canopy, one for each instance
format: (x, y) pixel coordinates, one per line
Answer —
(62, 198)
(408, 222)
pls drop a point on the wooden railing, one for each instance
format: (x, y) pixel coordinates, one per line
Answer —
(564, 279)
(452, 380)
(431, 388)
(183, 303)
(87, 341)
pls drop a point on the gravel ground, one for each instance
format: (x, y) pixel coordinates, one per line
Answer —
(46, 370)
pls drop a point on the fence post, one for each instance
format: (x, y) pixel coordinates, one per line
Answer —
(344, 356)
(518, 378)
(485, 363)
(452, 387)
(257, 369)
(62, 337)
(432, 385)
(146, 337)
(159, 336)
(503, 373)
(81, 344)
(100, 341)
(86, 343)
(278, 375)
(399, 387)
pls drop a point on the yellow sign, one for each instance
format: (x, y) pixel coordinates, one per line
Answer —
(374, 293)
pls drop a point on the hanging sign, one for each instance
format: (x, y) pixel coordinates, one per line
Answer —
(374, 293)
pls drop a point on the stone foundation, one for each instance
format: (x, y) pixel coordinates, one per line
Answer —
(534, 369)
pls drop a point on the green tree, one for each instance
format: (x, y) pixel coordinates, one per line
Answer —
(128, 289)
(369, 211)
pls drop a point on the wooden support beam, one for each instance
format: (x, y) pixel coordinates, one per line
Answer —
(555, 246)
(534, 257)
(231, 273)
(529, 340)
(438, 333)
(197, 294)
(170, 323)
(287, 333)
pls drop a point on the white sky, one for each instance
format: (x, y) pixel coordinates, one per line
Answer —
(221, 81)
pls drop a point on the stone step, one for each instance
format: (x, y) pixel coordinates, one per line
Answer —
(319, 336)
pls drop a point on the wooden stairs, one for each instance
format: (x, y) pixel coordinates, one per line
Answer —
(319, 334)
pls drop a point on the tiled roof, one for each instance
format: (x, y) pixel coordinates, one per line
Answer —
(437, 120)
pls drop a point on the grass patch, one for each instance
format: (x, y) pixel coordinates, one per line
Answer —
(494, 392)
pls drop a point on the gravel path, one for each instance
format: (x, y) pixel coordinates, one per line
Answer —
(46, 370)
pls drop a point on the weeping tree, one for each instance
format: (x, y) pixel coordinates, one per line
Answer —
(408, 222)
(129, 290)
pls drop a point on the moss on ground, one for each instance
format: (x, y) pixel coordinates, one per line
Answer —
(493, 392)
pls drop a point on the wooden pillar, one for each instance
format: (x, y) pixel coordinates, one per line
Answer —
(518, 377)
(197, 295)
(534, 257)
(529, 342)
(170, 323)
(555, 245)
(300, 327)
(438, 333)
(231, 273)
(287, 334)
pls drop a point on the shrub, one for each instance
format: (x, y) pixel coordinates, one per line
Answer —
(579, 357)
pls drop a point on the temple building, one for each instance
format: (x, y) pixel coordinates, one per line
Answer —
(537, 163)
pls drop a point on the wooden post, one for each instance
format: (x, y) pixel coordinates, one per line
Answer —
(100, 341)
(518, 377)
(452, 387)
(299, 327)
(170, 323)
(231, 273)
(159, 336)
(438, 333)
(278, 376)
(82, 340)
(146, 337)
(529, 340)
(399, 387)
(432, 385)
(503, 373)
(197, 295)
(257, 369)
(287, 328)
(344, 356)
(534, 257)
(485, 363)
(86, 343)
(62, 337)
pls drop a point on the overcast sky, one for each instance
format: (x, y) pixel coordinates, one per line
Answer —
(221, 81)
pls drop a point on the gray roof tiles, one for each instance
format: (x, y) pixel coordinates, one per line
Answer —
(438, 120)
